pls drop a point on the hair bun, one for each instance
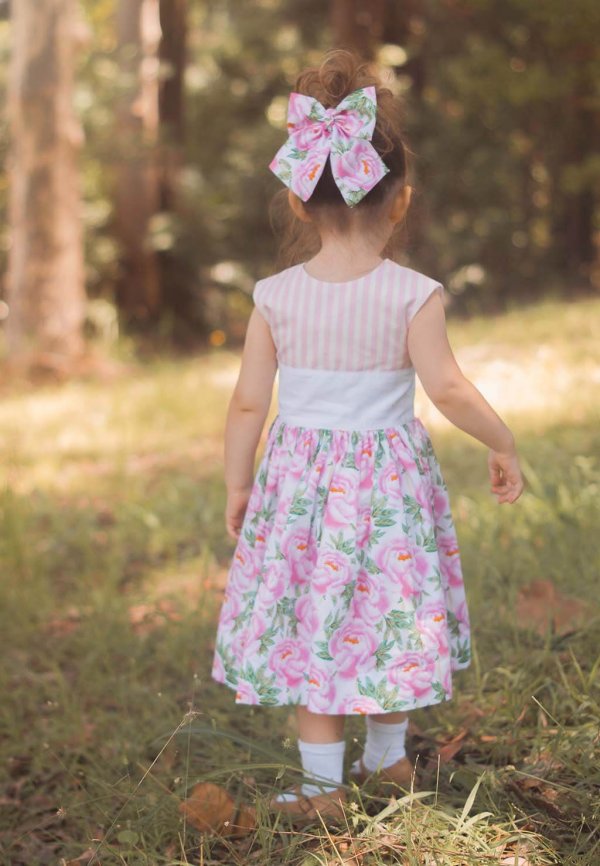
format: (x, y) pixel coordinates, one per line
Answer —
(340, 73)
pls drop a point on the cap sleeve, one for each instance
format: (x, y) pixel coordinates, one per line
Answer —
(260, 300)
(422, 292)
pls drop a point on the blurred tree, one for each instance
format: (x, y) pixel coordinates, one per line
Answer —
(358, 25)
(137, 196)
(45, 286)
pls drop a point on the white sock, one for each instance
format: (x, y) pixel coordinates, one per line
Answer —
(384, 745)
(322, 762)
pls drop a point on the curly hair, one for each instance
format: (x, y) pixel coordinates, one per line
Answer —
(340, 73)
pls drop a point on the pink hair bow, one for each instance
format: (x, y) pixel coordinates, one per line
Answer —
(343, 133)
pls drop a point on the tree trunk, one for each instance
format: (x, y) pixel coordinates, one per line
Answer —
(358, 25)
(45, 286)
(172, 55)
(137, 181)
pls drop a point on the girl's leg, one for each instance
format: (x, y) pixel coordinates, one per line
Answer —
(321, 744)
(385, 741)
(318, 728)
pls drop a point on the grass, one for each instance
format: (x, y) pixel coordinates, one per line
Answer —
(113, 551)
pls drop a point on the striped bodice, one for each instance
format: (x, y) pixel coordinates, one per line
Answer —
(360, 324)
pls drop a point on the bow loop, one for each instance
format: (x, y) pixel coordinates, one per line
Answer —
(342, 133)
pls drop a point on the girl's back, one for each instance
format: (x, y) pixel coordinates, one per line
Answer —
(345, 594)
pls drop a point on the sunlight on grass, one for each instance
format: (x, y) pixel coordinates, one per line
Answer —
(113, 556)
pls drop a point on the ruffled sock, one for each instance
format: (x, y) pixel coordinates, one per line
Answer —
(322, 762)
(384, 745)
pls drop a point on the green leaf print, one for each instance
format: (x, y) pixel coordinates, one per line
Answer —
(411, 506)
(323, 651)
(250, 536)
(349, 461)
(436, 579)
(429, 543)
(267, 639)
(263, 684)
(262, 479)
(296, 153)
(300, 505)
(439, 691)
(463, 653)
(400, 619)
(371, 567)
(383, 654)
(385, 697)
(345, 545)
(285, 172)
(453, 624)
(381, 514)
(332, 623)
(348, 593)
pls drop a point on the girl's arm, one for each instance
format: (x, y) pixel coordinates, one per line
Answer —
(459, 400)
(246, 416)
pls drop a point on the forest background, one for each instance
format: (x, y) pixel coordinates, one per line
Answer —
(149, 187)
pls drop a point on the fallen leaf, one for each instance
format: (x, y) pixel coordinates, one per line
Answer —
(211, 809)
(450, 748)
(540, 606)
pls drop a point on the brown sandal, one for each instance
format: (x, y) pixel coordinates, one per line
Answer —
(401, 774)
(310, 808)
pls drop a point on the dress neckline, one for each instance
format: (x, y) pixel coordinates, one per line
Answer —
(343, 282)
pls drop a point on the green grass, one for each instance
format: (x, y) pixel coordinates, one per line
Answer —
(112, 550)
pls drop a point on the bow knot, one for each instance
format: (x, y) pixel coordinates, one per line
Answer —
(343, 133)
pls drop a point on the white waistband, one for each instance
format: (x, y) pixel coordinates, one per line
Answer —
(345, 399)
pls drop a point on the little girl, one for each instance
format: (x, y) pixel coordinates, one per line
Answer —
(345, 594)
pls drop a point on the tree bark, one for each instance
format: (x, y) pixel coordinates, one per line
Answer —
(137, 177)
(172, 55)
(358, 25)
(45, 285)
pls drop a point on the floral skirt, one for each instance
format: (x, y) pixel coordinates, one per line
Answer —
(345, 592)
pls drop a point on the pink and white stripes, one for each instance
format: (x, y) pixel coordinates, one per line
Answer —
(361, 324)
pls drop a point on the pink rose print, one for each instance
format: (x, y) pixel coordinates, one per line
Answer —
(353, 649)
(390, 483)
(450, 561)
(333, 572)
(306, 172)
(360, 167)
(308, 620)
(402, 455)
(283, 513)
(255, 501)
(249, 640)
(432, 626)
(300, 552)
(441, 506)
(462, 617)
(364, 528)
(315, 478)
(360, 705)
(405, 564)
(340, 508)
(218, 671)
(289, 660)
(231, 609)
(321, 694)
(246, 694)
(275, 582)
(370, 600)
(365, 461)
(413, 673)
(244, 567)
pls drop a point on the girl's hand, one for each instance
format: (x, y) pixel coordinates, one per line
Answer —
(237, 502)
(505, 476)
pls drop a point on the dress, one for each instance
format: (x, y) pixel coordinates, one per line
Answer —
(345, 591)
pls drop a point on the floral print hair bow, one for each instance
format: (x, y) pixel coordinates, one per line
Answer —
(343, 133)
